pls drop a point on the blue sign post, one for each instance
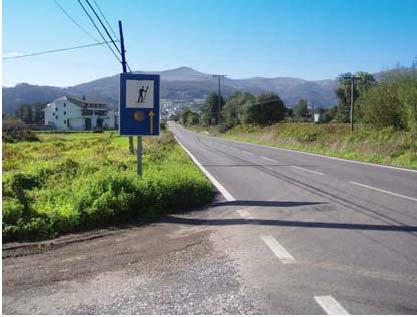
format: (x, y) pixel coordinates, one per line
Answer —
(139, 108)
(139, 104)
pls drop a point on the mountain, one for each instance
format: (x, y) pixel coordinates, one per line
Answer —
(181, 83)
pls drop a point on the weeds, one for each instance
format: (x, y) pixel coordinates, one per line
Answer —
(73, 182)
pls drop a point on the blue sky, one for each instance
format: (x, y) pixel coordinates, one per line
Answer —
(310, 39)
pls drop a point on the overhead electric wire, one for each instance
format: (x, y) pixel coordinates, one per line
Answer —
(75, 22)
(104, 17)
(105, 29)
(98, 30)
(57, 50)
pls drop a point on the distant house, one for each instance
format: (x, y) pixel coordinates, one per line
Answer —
(318, 118)
(70, 113)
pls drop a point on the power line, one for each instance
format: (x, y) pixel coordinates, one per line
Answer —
(219, 97)
(104, 17)
(53, 51)
(74, 21)
(98, 30)
(105, 29)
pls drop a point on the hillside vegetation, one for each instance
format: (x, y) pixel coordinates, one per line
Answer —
(68, 182)
(369, 144)
(385, 119)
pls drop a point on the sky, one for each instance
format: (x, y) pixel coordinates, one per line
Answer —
(309, 39)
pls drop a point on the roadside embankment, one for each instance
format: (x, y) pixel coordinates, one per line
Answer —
(381, 146)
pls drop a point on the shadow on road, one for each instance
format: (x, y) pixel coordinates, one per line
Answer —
(260, 165)
(261, 203)
(284, 223)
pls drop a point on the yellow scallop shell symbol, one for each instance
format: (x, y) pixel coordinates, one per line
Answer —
(139, 116)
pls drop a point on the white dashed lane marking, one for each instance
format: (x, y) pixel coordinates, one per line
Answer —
(268, 159)
(283, 255)
(384, 191)
(246, 152)
(307, 170)
(330, 305)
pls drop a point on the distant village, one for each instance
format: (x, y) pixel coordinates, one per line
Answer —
(68, 113)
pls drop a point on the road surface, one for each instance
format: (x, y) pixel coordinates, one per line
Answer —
(291, 233)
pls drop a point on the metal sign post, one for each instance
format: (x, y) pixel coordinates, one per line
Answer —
(139, 155)
(139, 108)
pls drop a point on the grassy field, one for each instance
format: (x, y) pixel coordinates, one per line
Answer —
(382, 146)
(77, 181)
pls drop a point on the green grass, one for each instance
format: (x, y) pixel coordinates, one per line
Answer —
(382, 146)
(76, 181)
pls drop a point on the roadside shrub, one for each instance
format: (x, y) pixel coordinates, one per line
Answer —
(407, 96)
(380, 106)
(163, 126)
(13, 210)
(393, 102)
(16, 135)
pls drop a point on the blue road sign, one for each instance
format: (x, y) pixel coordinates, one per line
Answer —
(139, 104)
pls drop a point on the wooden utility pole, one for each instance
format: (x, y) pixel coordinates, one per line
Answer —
(352, 87)
(352, 79)
(122, 49)
(219, 97)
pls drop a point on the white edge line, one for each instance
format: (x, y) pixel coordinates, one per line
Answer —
(384, 191)
(313, 154)
(307, 170)
(283, 255)
(219, 186)
(330, 305)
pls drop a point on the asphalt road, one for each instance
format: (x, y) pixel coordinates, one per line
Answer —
(292, 234)
(315, 234)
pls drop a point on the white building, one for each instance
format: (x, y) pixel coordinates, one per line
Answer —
(70, 113)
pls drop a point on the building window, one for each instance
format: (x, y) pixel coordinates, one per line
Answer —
(53, 113)
(65, 113)
(65, 121)
(56, 117)
(86, 112)
(65, 104)
(56, 108)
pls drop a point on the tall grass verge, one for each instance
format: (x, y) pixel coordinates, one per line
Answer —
(369, 144)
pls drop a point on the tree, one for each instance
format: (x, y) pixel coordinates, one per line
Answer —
(31, 113)
(414, 63)
(330, 114)
(38, 114)
(301, 109)
(393, 102)
(343, 92)
(209, 112)
(380, 106)
(234, 108)
(189, 117)
(25, 113)
(268, 109)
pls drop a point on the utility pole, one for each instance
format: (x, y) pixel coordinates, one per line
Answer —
(352, 87)
(219, 97)
(352, 79)
(122, 49)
